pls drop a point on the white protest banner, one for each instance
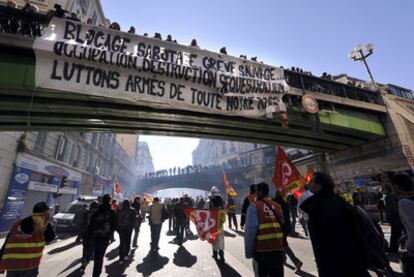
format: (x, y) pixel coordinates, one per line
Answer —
(72, 56)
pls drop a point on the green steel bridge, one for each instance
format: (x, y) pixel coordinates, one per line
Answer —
(348, 115)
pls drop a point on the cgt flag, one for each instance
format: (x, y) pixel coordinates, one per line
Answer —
(208, 222)
(229, 189)
(286, 176)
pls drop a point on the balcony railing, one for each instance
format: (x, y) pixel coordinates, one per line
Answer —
(316, 84)
(16, 21)
(27, 23)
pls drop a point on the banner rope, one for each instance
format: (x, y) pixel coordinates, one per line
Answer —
(29, 111)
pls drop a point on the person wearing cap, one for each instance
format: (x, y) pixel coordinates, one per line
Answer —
(24, 245)
(215, 201)
(264, 239)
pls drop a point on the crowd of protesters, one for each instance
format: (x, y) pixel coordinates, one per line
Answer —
(340, 231)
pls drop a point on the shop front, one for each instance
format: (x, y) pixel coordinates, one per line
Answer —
(33, 180)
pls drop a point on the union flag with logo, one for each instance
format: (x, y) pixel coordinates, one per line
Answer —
(286, 176)
(208, 223)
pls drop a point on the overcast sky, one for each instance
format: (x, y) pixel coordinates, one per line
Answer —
(315, 35)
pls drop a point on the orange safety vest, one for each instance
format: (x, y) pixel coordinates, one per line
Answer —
(269, 234)
(22, 251)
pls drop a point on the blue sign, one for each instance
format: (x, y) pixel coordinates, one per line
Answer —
(16, 195)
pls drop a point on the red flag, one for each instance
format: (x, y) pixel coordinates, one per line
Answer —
(148, 197)
(286, 176)
(117, 186)
(307, 178)
(208, 222)
(229, 189)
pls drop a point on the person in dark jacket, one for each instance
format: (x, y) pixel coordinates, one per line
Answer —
(332, 227)
(181, 218)
(137, 207)
(293, 208)
(286, 230)
(126, 221)
(101, 229)
(247, 201)
(87, 241)
(393, 218)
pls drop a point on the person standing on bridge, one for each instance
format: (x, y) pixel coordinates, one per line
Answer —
(23, 248)
(216, 202)
(250, 199)
(264, 239)
(231, 212)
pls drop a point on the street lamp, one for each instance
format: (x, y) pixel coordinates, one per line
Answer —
(362, 52)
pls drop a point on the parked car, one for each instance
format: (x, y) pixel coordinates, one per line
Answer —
(70, 219)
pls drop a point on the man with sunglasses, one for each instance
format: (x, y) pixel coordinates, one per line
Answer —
(23, 248)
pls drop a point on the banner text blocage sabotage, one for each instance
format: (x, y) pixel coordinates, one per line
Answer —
(92, 60)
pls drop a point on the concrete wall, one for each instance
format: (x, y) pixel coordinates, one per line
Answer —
(8, 144)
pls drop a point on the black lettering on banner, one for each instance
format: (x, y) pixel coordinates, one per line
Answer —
(176, 92)
(206, 99)
(76, 72)
(70, 28)
(192, 58)
(54, 76)
(143, 85)
(240, 103)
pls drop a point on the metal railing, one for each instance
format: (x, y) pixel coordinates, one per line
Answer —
(27, 23)
(31, 24)
(316, 84)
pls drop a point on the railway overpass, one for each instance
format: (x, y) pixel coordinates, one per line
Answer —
(348, 116)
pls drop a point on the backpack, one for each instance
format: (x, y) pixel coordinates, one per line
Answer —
(102, 226)
(373, 242)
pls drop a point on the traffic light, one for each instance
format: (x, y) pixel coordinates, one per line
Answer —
(63, 181)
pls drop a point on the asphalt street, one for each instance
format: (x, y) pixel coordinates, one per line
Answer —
(62, 258)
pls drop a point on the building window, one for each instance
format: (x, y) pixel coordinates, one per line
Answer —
(76, 152)
(85, 4)
(60, 153)
(40, 142)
